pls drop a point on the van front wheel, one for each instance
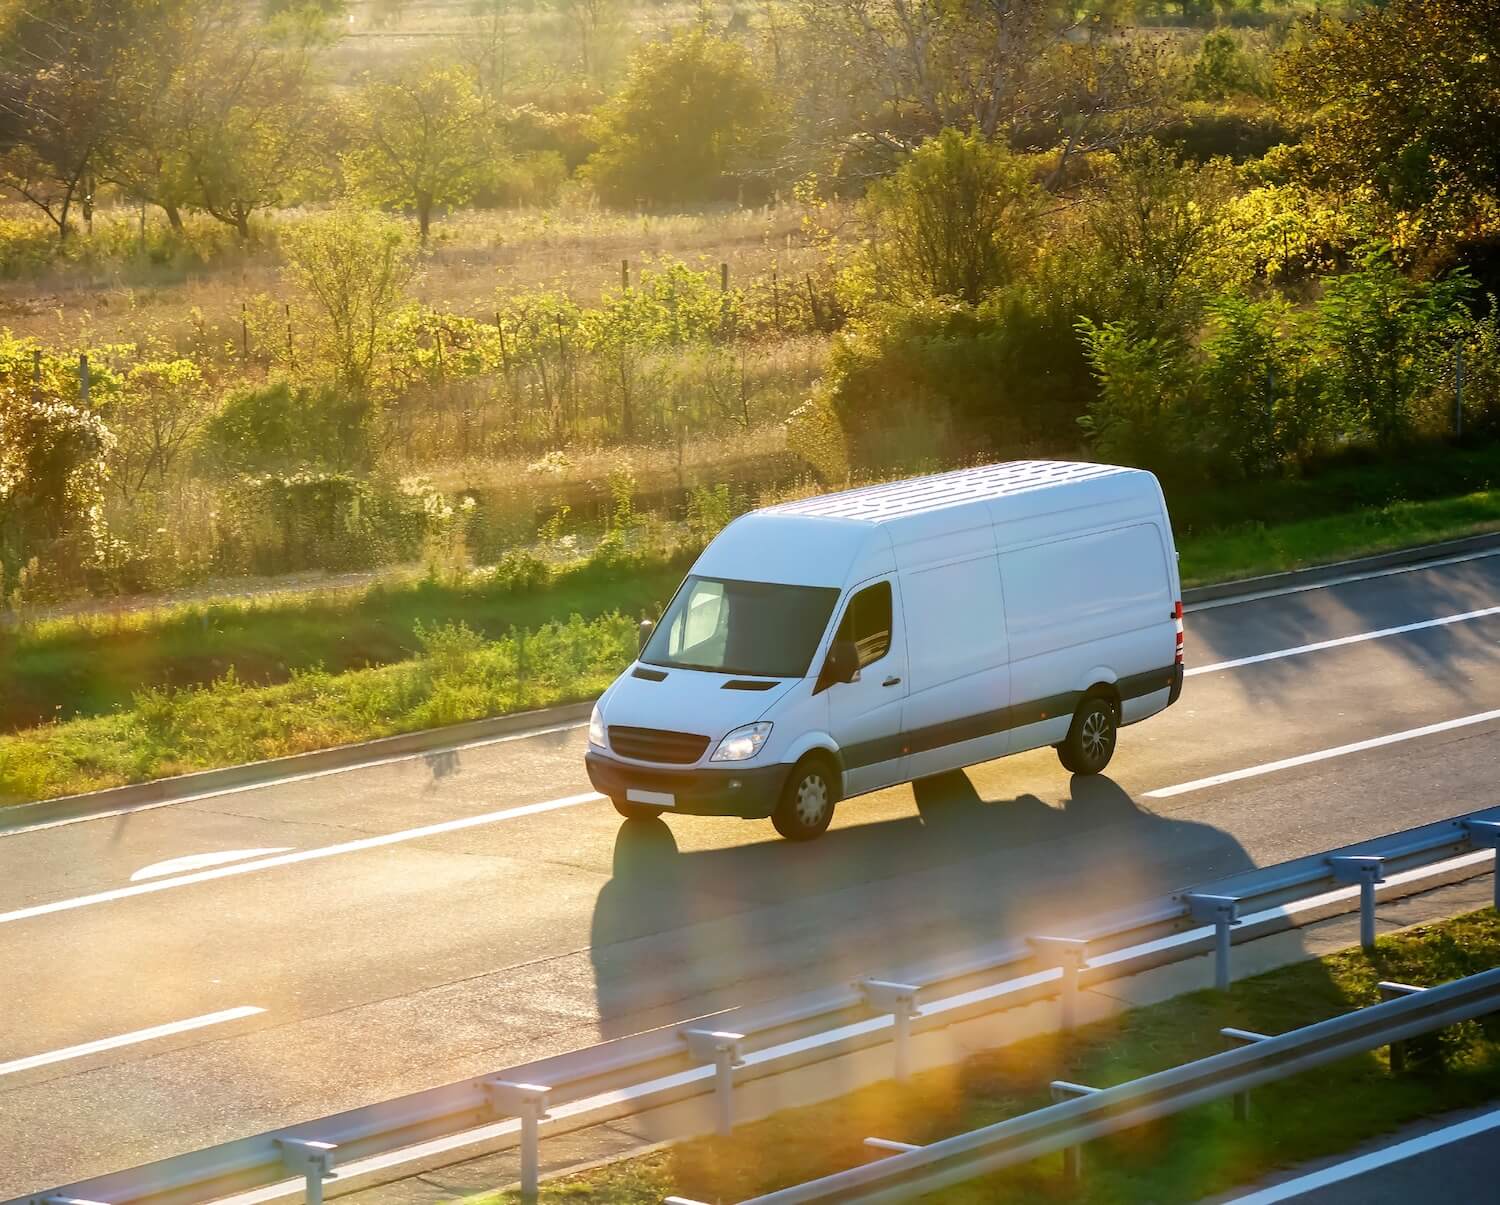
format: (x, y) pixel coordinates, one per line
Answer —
(1090, 742)
(807, 800)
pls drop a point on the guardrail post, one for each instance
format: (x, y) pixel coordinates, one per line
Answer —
(529, 1103)
(1073, 1155)
(723, 1051)
(1366, 871)
(1486, 835)
(1223, 913)
(1068, 953)
(1244, 1037)
(311, 1159)
(890, 1147)
(900, 1000)
(1394, 991)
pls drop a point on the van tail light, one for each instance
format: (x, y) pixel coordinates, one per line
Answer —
(1177, 618)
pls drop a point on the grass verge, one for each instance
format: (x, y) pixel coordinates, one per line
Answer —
(1183, 1158)
(63, 669)
(1250, 549)
(458, 676)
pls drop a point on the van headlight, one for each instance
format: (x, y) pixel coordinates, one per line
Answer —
(596, 729)
(743, 743)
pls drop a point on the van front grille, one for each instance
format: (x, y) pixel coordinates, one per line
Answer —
(653, 744)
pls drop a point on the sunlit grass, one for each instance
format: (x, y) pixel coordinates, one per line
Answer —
(1198, 1153)
(1259, 548)
(459, 676)
(94, 665)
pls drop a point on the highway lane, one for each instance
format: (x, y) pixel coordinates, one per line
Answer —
(409, 960)
(1458, 1154)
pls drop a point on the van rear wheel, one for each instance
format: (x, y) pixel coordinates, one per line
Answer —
(1090, 742)
(807, 800)
(636, 811)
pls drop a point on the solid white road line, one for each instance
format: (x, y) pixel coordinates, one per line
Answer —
(158, 870)
(1290, 1189)
(1358, 638)
(305, 855)
(129, 1039)
(307, 776)
(1346, 579)
(1287, 763)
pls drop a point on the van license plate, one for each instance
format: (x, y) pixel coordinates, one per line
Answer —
(656, 798)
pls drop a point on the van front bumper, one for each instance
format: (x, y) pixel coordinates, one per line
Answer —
(751, 792)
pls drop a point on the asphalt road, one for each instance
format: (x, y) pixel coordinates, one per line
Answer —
(522, 918)
(1435, 1160)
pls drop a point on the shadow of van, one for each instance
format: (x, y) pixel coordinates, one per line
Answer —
(678, 934)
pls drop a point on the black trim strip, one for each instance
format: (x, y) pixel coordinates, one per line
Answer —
(992, 723)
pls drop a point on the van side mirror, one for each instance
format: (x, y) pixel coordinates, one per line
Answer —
(842, 665)
(643, 635)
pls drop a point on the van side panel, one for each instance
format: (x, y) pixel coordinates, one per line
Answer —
(956, 710)
(1093, 607)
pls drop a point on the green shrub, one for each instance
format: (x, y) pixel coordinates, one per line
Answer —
(519, 572)
(1262, 388)
(958, 221)
(52, 473)
(313, 519)
(693, 117)
(278, 427)
(1385, 338)
(1146, 396)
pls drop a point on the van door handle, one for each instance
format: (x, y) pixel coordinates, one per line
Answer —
(891, 682)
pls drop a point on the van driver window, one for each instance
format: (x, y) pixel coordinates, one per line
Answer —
(760, 629)
(700, 619)
(867, 623)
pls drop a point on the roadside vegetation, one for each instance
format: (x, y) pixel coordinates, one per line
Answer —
(1188, 1157)
(266, 679)
(457, 676)
(502, 308)
(72, 666)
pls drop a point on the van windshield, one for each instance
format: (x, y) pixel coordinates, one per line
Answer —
(761, 629)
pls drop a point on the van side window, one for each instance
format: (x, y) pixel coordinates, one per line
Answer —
(867, 623)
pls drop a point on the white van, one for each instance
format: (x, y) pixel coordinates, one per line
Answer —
(825, 648)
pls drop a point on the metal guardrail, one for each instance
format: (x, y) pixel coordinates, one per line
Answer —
(1084, 1113)
(712, 1054)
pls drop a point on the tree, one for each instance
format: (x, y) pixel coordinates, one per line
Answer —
(147, 154)
(1408, 100)
(1385, 339)
(251, 109)
(1146, 391)
(1262, 384)
(958, 220)
(352, 267)
(1154, 221)
(421, 141)
(693, 113)
(877, 77)
(154, 418)
(62, 61)
(489, 48)
(596, 26)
